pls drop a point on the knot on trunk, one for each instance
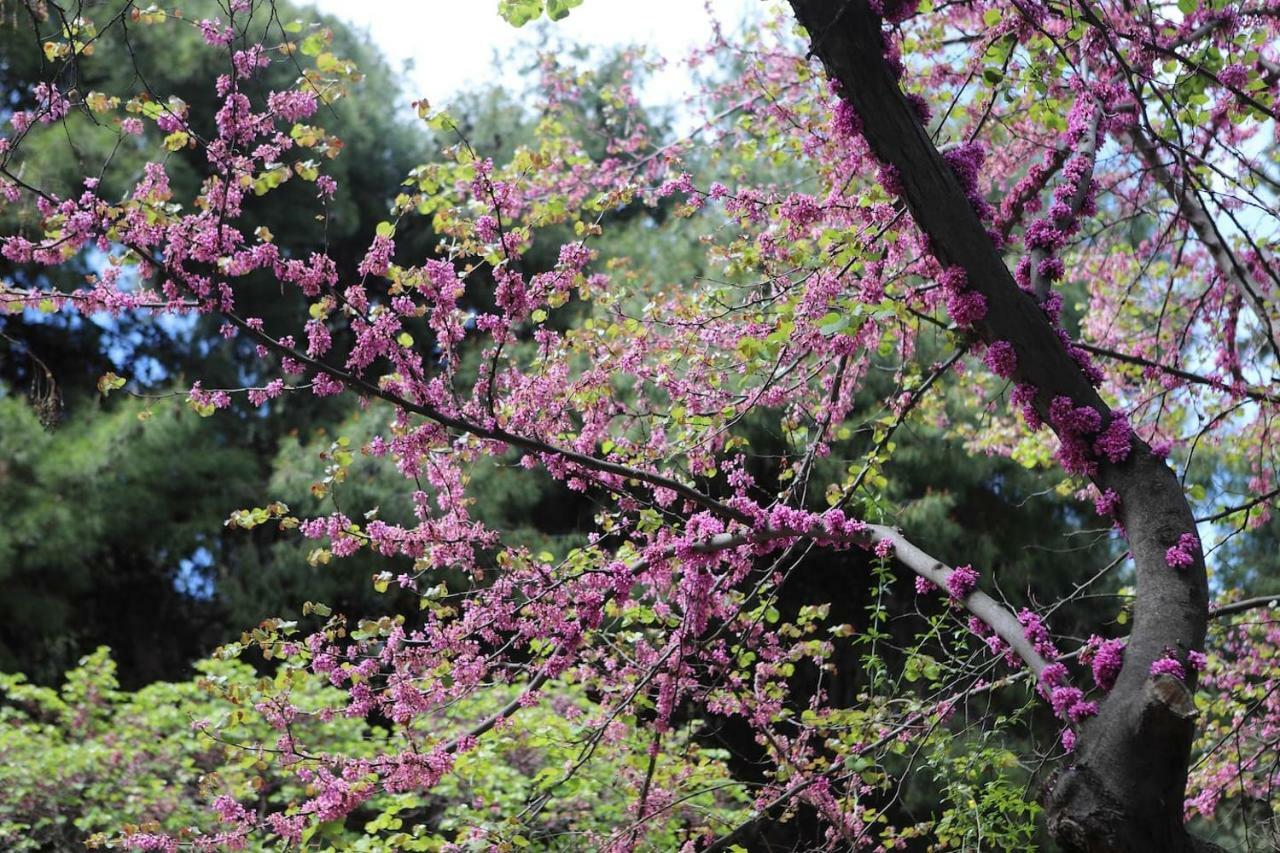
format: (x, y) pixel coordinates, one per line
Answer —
(1167, 706)
(1080, 810)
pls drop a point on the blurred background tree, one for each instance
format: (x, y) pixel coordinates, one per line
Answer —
(77, 573)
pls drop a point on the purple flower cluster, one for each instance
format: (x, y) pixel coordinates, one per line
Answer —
(1035, 631)
(1168, 666)
(1072, 424)
(962, 581)
(844, 121)
(1001, 359)
(1106, 657)
(965, 306)
(1183, 554)
(1107, 503)
(1068, 702)
(1115, 440)
(966, 161)
(1024, 400)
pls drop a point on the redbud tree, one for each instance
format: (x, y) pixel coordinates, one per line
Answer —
(1053, 224)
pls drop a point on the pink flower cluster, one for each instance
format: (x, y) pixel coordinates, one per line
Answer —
(1168, 665)
(966, 161)
(995, 643)
(1107, 503)
(1183, 554)
(1115, 441)
(966, 306)
(1068, 702)
(1074, 426)
(962, 581)
(1106, 658)
(1001, 359)
(1033, 629)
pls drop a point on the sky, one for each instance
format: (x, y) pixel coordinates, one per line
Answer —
(452, 43)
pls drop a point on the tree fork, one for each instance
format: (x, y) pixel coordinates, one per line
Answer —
(1125, 787)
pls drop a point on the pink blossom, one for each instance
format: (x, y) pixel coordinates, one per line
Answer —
(1183, 554)
(962, 581)
(1001, 358)
(1107, 503)
(1069, 739)
(378, 258)
(1115, 440)
(1107, 657)
(1168, 666)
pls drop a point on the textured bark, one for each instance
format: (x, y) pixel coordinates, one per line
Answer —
(1125, 786)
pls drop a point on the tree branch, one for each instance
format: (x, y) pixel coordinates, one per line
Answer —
(1129, 792)
(1192, 209)
(1252, 393)
(1244, 605)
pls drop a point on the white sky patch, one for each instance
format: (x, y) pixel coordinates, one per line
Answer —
(455, 45)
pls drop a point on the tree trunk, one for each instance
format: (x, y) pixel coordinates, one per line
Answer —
(1125, 787)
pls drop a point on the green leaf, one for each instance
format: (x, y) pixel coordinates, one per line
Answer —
(385, 229)
(313, 44)
(329, 63)
(833, 324)
(109, 382)
(204, 410)
(517, 13)
(558, 10)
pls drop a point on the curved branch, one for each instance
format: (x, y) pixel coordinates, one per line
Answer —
(494, 433)
(1131, 777)
(1085, 154)
(995, 615)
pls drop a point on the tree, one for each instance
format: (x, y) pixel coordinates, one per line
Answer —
(164, 594)
(721, 424)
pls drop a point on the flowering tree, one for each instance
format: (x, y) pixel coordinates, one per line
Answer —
(1052, 224)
